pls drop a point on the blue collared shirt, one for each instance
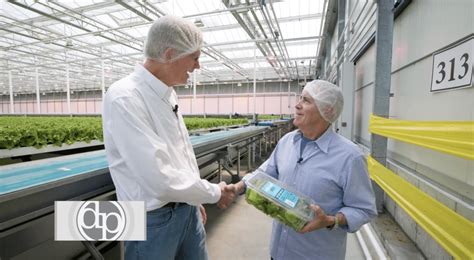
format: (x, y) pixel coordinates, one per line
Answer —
(333, 172)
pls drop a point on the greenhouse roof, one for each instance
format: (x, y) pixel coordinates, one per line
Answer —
(95, 43)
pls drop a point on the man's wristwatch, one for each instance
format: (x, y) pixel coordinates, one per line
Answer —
(335, 225)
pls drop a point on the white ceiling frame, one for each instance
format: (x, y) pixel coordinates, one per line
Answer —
(23, 38)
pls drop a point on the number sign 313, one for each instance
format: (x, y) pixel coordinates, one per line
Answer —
(452, 68)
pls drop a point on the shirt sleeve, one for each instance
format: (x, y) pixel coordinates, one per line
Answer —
(358, 199)
(146, 154)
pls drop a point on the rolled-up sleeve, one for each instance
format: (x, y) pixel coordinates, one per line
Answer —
(358, 199)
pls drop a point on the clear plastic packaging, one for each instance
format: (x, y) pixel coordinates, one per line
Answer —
(279, 201)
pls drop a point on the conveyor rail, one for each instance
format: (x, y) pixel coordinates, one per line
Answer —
(28, 190)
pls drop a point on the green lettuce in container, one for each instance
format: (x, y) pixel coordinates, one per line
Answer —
(279, 201)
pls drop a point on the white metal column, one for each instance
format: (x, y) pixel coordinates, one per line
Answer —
(218, 99)
(232, 98)
(204, 101)
(38, 105)
(289, 98)
(194, 91)
(281, 111)
(68, 91)
(254, 82)
(12, 108)
(103, 79)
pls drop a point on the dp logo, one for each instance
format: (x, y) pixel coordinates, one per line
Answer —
(101, 220)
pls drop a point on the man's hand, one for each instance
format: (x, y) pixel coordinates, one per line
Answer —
(239, 187)
(228, 194)
(321, 220)
(203, 214)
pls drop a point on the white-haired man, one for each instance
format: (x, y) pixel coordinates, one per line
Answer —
(150, 155)
(326, 167)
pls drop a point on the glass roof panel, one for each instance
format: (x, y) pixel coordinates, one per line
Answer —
(110, 31)
(241, 54)
(300, 29)
(249, 65)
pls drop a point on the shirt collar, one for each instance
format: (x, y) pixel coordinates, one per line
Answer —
(156, 85)
(322, 142)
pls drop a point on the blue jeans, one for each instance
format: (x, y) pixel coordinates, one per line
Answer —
(172, 233)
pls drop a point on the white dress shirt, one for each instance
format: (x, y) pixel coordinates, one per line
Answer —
(147, 144)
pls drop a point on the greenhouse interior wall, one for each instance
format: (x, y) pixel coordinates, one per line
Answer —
(278, 98)
(418, 32)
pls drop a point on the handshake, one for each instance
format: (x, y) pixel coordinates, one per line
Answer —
(228, 193)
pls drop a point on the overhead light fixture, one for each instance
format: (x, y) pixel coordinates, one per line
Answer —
(242, 11)
(69, 43)
(277, 34)
(198, 23)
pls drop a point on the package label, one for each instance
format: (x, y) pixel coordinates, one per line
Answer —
(280, 194)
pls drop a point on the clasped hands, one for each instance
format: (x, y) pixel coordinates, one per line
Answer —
(228, 193)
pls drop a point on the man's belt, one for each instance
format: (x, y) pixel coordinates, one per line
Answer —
(174, 204)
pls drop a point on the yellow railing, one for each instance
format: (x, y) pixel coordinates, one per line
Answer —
(456, 138)
(451, 230)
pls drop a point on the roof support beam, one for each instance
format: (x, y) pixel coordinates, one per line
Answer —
(142, 15)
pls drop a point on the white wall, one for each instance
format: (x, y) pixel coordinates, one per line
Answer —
(242, 103)
(266, 103)
(423, 28)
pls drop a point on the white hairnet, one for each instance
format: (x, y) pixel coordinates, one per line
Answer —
(328, 98)
(172, 32)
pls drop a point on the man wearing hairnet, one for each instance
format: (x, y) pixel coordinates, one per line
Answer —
(326, 167)
(148, 148)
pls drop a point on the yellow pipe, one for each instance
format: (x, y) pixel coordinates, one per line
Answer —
(452, 137)
(451, 230)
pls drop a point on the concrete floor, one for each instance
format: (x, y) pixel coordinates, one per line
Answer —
(242, 232)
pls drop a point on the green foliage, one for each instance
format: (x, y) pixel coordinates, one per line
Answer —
(40, 131)
(274, 210)
(268, 117)
(205, 123)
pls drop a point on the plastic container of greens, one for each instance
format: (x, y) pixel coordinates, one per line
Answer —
(278, 200)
